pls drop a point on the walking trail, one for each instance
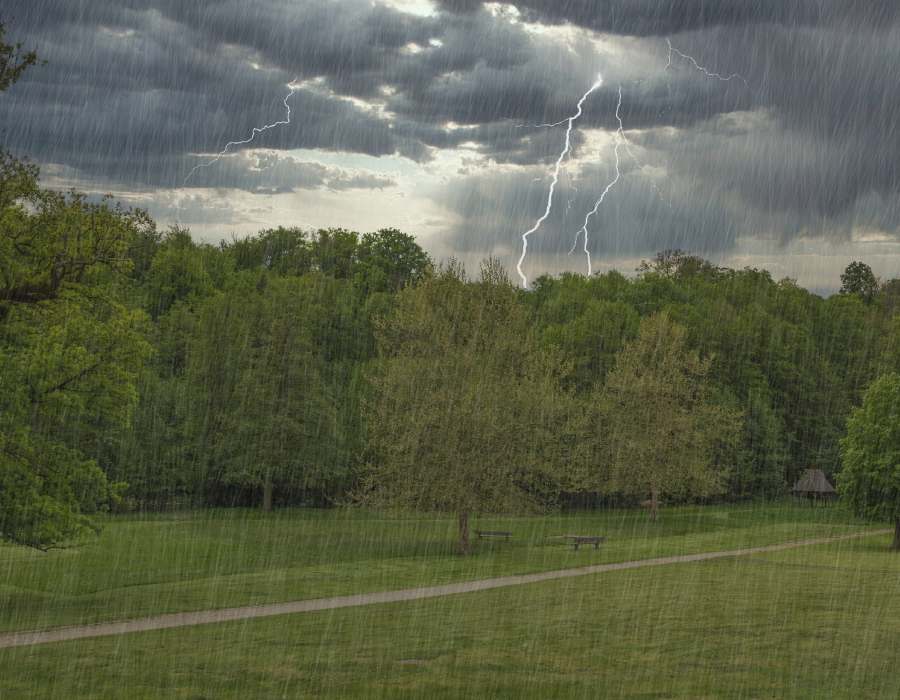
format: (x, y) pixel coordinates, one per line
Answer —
(205, 617)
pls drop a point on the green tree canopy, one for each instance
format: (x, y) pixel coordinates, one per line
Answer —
(664, 426)
(388, 261)
(467, 414)
(858, 278)
(870, 478)
(70, 352)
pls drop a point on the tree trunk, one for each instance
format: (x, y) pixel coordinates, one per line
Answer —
(896, 544)
(654, 504)
(267, 493)
(463, 532)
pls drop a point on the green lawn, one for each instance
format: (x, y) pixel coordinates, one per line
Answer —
(169, 563)
(815, 622)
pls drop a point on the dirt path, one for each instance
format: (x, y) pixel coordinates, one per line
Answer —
(204, 617)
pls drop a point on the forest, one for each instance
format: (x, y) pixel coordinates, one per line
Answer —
(141, 369)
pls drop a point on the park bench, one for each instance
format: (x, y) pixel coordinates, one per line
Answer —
(578, 540)
(493, 534)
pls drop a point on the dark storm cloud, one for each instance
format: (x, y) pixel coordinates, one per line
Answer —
(655, 18)
(178, 78)
(138, 92)
(124, 87)
(825, 127)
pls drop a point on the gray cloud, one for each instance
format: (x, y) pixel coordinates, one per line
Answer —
(137, 92)
(269, 173)
(653, 18)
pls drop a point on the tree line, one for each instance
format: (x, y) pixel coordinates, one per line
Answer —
(144, 369)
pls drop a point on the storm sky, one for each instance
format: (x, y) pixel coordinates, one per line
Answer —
(421, 115)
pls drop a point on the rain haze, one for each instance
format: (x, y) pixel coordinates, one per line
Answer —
(449, 349)
(418, 115)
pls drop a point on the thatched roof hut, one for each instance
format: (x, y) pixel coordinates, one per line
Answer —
(813, 484)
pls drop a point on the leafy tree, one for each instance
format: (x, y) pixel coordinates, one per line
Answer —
(467, 415)
(334, 252)
(178, 271)
(664, 427)
(591, 340)
(678, 263)
(154, 459)
(889, 360)
(388, 261)
(889, 297)
(284, 251)
(283, 415)
(859, 279)
(69, 353)
(870, 478)
(761, 458)
(52, 242)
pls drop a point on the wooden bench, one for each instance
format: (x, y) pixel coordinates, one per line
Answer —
(493, 534)
(578, 540)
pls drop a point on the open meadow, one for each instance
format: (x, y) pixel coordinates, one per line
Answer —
(822, 619)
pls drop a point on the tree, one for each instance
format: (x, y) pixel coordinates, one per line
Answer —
(177, 272)
(467, 415)
(70, 350)
(389, 260)
(283, 416)
(678, 263)
(592, 339)
(285, 251)
(334, 252)
(664, 427)
(858, 278)
(53, 242)
(870, 478)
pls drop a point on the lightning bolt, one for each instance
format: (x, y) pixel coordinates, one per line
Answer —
(254, 132)
(620, 138)
(541, 126)
(697, 66)
(568, 145)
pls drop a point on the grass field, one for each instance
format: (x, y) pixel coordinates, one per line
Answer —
(171, 563)
(820, 621)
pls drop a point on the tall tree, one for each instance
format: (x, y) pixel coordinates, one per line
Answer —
(870, 478)
(664, 426)
(70, 352)
(388, 261)
(858, 278)
(467, 414)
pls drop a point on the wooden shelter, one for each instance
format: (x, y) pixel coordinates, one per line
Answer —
(814, 486)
